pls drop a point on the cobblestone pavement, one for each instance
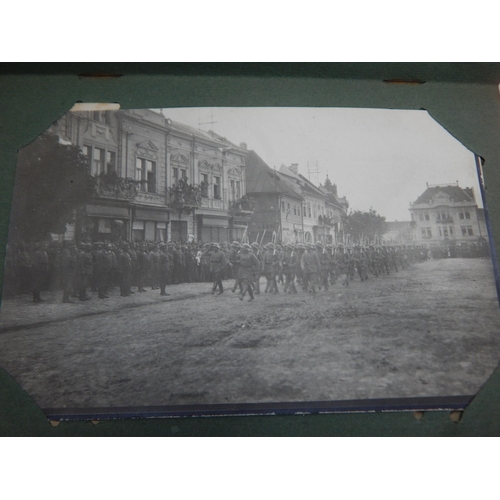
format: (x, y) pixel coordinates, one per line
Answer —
(430, 330)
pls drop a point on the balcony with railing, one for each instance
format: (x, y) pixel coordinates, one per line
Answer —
(326, 220)
(112, 186)
(444, 220)
(244, 206)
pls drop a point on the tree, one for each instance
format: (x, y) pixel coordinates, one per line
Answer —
(364, 227)
(52, 181)
(184, 197)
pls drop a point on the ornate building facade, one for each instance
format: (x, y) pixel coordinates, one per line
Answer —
(136, 157)
(447, 214)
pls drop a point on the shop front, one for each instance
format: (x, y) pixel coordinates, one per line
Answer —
(150, 224)
(213, 229)
(105, 223)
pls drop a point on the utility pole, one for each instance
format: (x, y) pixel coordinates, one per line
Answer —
(314, 170)
(211, 122)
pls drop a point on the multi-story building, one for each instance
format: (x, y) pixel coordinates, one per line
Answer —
(278, 206)
(136, 156)
(447, 214)
(336, 208)
(322, 208)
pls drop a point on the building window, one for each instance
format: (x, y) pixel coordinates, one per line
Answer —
(283, 206)
(110, 162)
(217, 188)
(100, 160)
(443, 216)
(298, 210)
(102, 116)
(204, 185)
(467, 231)
(87, 152)
(98, 163)
(138, 231)
(184, 174)
(145, 172)
(451, 230)
(104, 226)
(309, 209)
(464, 215)
(175, 175)
(161, 231)
(235, 190)
(426, 232)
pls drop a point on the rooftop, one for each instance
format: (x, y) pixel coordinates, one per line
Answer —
(455, 193)
(261, 178)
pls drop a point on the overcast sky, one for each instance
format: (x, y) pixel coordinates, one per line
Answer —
(378, 158)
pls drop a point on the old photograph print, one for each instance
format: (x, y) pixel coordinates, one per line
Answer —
(233, 258)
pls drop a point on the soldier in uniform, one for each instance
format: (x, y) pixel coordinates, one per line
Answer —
(271, 268)
(163, 266)
(69, 256)
(133, 262)
(311, 267)
(102, 266)
(299, 274)
(324, 259)
(246, 271)
(176, 267)
(218, 263)
(142, 267)
(343, 265)
(113, 267)
(360, 262)
(384, 259)
(290, 261)
(154, 267)
(85, 270)
(234, 262)
(258, 269)
(124, 270)
(280, 252)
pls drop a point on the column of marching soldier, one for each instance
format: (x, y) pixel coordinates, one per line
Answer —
(78, 270)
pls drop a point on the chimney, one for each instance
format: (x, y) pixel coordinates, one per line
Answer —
(243, 145)
(294, 167)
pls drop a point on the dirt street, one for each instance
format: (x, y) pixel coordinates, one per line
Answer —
(430, 330)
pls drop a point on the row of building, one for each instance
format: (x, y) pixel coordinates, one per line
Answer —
(136, 155)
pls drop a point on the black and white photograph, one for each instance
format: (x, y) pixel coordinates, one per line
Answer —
(191, 261)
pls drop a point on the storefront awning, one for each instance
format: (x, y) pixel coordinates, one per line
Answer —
(105, 211)
(148, 214)
(215, 222)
